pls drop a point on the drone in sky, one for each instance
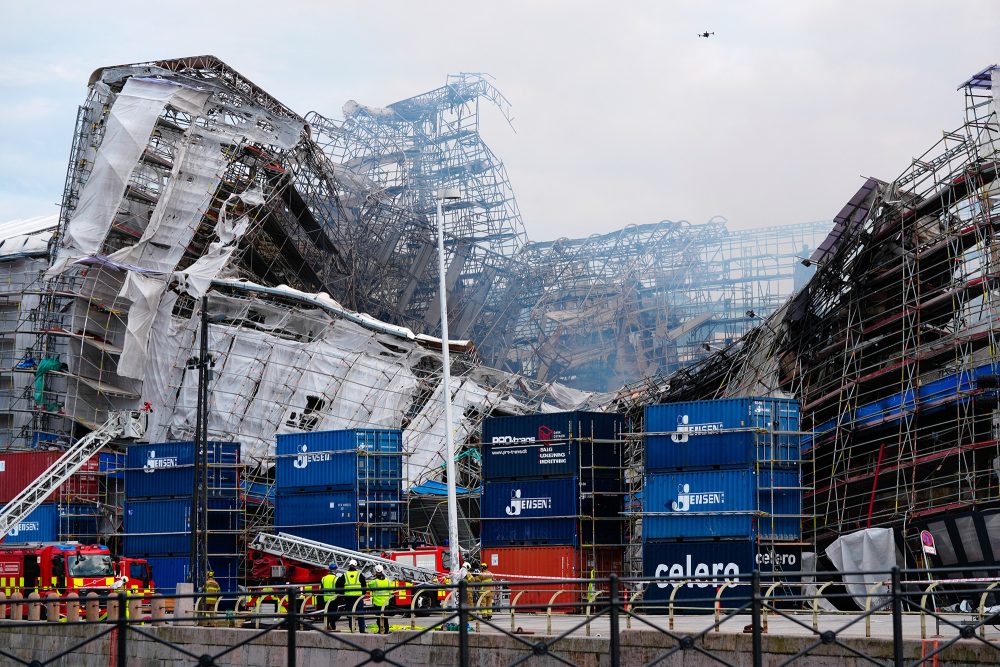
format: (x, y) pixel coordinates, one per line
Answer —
(705, 34)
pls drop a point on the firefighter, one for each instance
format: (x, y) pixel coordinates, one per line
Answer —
(211, 600)
(330, 602)
(471, 591)
(381, 587)
(351, 585)
(486, 593)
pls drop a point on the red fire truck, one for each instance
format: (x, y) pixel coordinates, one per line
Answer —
(137, 575)
(69, 568)
(437, 559)
(65, 567)
(272, 573)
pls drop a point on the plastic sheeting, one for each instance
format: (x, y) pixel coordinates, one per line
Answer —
(144, 292)
(873, 551)
(127, 131)
(198, 168)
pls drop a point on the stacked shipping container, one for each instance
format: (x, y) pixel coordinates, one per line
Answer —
(722, 494)
(159, 480)
(552, 500)
(341, 487)
(70, 512)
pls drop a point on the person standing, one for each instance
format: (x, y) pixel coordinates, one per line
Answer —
(212, 599)
(381, 589)
(330, 603)
(352, 585)
(486, 593)
(472, 591)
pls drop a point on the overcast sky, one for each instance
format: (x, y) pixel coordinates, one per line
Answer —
(622, 115)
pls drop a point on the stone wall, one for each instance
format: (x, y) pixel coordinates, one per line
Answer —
(439, 648)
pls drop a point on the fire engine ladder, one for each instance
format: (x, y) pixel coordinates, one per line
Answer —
(318, 554)
(123, 424)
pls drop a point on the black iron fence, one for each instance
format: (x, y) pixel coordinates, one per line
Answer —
(898, 617)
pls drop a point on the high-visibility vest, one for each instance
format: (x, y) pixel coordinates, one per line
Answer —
(328, 582)
(380, 597)
(352, 583)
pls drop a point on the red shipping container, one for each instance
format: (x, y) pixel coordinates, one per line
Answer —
(540, 563)
(18, 469)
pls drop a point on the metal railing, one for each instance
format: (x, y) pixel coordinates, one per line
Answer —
(875, 618)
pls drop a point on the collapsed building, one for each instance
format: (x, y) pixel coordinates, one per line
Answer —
(892, 350)
(307, 245)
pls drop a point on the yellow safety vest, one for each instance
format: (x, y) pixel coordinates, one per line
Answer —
(381, 597)
(329, 582)
(352, 583)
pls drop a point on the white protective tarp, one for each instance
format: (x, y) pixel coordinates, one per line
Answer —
(144, 291)
(130, 123)
(198, 168)
(864, 558)
(199, 276)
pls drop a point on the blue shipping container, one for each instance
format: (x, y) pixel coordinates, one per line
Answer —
(166, 469)
(341, 518)
(349, 459)
(163, 526)
(51, 522)
(701, 568)
(721, 503)
(779, 499)
(554, 511)
(726, 432)
(168, 571)
(42, 525)
(551, 445)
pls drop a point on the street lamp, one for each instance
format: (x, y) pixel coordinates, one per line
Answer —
(442, 195)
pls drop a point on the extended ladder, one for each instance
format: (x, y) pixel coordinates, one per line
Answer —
(125, 424)
(318, 554)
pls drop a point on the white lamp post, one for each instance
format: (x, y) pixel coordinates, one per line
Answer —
(441, 196)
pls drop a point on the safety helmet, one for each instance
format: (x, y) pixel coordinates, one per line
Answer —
(353, 562)
(211, 574)
(332, 567)
(483, 566)
(379, 569)
(465, 566)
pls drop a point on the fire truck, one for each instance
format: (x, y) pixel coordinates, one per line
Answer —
(69, 568)
(285, 560)
(137, 575)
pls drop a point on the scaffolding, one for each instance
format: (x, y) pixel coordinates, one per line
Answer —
(313, 240)
(891, 347)
(600, 312)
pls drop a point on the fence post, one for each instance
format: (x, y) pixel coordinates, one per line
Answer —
(122, 631)
(291, 624)
(463, 625)
(615, 647)
(897, 620)
(755, 622)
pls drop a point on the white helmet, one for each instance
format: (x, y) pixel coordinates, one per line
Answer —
(353, 562)
(465, 566)
(379, 569)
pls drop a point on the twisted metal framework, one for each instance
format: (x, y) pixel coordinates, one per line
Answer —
(892, 348)
(603, 311)
(402, 154)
